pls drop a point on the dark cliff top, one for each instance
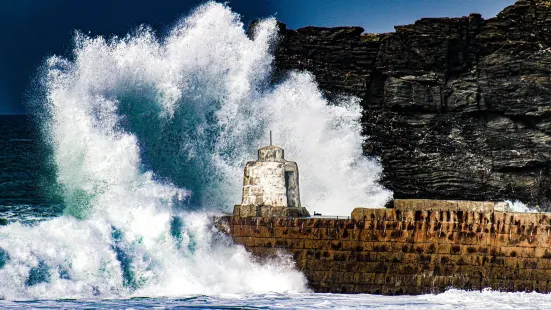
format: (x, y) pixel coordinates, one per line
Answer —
(521, 7)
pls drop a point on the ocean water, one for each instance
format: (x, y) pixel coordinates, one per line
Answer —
(136, 142)
(24, 172)
(452, 299)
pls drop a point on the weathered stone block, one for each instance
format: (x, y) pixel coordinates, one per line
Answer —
(544, 263)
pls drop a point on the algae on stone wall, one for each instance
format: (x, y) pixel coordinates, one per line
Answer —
(388, 251)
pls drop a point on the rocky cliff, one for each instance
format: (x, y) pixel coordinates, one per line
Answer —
(456, 108)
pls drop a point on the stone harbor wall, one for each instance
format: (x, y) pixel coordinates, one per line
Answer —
(392, 251)
(456, 108)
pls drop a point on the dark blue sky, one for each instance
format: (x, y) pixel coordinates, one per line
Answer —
(31, 30)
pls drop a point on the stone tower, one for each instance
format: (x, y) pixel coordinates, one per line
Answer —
(271, 186)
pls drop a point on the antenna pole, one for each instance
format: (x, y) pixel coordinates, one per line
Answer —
(270, 138)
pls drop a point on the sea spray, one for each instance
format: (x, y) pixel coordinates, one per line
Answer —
(193, 109)
(68, 258)
(150, 135)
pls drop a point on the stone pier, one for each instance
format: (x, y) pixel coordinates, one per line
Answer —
(418, 247)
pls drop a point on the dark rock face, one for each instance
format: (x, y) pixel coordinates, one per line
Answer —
(456, 108)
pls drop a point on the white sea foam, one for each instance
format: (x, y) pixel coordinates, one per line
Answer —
(146, 130)
(79, 259)
(452, 299)
(519, 206)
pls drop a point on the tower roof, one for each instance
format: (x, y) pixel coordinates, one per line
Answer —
(271, 153)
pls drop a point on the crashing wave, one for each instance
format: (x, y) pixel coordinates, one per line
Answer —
(149, 135)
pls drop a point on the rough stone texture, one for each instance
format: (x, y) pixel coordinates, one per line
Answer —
(388, 251)
(269, 211)
(444, 205)
(456, 108)
(271, 180)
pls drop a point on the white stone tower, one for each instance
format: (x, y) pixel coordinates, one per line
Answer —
(271, 186)
(271, 180)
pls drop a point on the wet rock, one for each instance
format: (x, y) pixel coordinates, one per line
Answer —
(456, 108)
